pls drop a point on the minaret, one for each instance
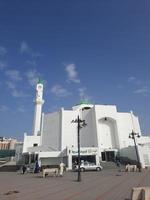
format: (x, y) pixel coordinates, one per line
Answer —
(38, 108)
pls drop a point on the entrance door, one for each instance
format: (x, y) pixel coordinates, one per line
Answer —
(103, 156)
(108, 156)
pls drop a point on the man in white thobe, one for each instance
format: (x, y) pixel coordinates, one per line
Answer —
(61, 169)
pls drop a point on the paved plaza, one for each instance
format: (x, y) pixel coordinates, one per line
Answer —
(104, 185)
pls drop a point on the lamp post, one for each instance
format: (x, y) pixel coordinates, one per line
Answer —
(132, 135)
(80, 124)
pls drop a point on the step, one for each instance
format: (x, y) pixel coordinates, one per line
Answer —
(10, 168)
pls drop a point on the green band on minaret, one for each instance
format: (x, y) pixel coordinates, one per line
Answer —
(40, 81)
(84, 101)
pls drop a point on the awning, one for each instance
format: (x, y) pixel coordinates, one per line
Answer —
(37, 149)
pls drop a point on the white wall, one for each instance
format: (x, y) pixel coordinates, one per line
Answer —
(51, 133)
(69, 129)
(125, 127)
(144, 139)
(144, 153)
(107, 132)
(88, 133)
(105, 111)
(29, 141)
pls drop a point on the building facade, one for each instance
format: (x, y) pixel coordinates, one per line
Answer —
(105, 136)
(7, 143)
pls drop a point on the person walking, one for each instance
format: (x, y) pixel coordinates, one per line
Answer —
(118, 164)
(24, 169)
(61, 168)
(36, 169)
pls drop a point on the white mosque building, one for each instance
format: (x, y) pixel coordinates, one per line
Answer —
(106, 135)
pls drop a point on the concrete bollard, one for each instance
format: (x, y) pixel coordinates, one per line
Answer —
(146, 193)
(136, 193)
(140, 193)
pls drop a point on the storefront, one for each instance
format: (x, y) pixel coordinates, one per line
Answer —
(87, 154)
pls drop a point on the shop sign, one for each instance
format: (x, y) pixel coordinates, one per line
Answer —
(85, 151)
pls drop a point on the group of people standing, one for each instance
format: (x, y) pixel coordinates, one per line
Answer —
(27, 168)
(37, 168)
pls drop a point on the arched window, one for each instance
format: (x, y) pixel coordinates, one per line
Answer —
(107, 133)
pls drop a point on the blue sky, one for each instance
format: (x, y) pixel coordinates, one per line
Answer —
(97, 50)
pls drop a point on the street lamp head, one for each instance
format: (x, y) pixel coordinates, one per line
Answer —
(138, 136)
(74, 121)
(133, 133)
(84, 124)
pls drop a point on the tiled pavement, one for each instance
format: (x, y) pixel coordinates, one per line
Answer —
(104, 185)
